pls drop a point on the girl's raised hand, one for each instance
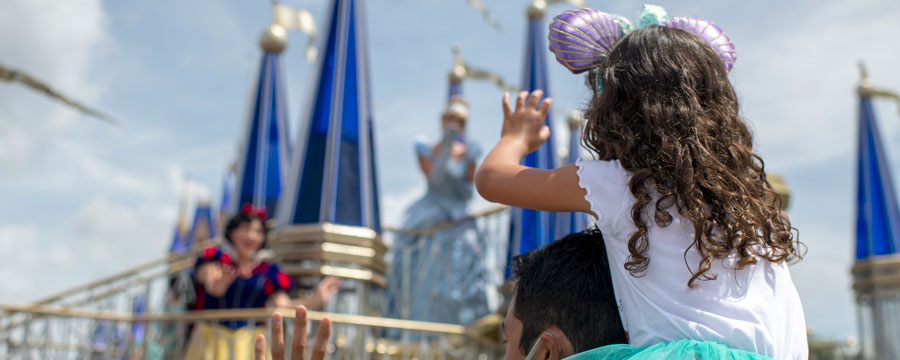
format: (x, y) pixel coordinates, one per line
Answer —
(525, 124)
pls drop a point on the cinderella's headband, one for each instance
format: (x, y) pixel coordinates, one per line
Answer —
(582, 38)
(457, 107)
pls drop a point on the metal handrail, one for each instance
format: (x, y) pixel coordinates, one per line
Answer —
(177, 263)
(171, 258)
(448, 224)
(230, 314)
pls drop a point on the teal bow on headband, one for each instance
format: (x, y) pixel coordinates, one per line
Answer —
(651, 15)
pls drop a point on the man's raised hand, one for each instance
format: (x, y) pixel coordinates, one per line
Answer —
(298, 342)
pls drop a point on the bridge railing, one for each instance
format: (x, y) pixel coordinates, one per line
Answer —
(100, 319)
(420, 258)
(64, 332)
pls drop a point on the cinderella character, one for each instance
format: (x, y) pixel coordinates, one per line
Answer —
(440, 276)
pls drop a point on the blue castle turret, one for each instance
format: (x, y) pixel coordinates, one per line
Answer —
(530, 229)
(876, 271)
(332, 177)
(328, 216)
(571, 222)
(264, 149)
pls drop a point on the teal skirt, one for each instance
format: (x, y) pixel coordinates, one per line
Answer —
(679, 350)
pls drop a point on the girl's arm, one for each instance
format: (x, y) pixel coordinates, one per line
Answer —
(502, 179)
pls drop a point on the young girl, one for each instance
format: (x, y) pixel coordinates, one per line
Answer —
(695, 236)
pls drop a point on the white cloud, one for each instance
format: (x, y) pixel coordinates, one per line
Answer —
(54, 41)
(17, 248)
(97, 170)
(798, 79)
(59, 254)
(181, 182)
(393, 205)
(23, 252)
(114, 230)
(15, 145)
(65, 176)
(103, 218)
(797, 82)
(823, 280)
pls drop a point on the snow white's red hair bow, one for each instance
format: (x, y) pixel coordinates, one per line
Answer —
(259, 212)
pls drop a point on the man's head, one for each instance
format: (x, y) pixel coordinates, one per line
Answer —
(564, 297)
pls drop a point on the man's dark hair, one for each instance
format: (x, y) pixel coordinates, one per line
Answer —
(567, 284)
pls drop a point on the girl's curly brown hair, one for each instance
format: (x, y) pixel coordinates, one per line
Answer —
(669, 114)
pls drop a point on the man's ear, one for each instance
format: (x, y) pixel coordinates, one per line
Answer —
(549, 347)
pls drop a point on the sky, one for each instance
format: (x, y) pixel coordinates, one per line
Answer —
(82, 199)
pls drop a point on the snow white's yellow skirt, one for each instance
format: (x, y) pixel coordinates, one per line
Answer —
(215, 342)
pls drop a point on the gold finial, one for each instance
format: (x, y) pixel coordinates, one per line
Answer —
(485, 14)
(863, 74)
(458, 72)
(274, 39)
(867, 90)
(780, 187)
(284, 19)
(576, 119)
(538, 7)
(462, 71)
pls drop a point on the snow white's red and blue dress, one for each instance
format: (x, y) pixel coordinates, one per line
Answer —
(233, 336)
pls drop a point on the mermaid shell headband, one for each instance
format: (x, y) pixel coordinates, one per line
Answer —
(582, 38)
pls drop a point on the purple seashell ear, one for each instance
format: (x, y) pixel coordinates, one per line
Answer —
(581, 38)
(711, 33)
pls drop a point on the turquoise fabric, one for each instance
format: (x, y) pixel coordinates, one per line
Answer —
(652, 15)
(675, 350)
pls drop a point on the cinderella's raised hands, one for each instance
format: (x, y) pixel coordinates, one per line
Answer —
(525, 123)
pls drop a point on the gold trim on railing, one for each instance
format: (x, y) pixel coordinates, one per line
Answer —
(31, 344)
(328, 232)
(875, 277)
(330, 252)
(177, 263)
(242, 314)
(348, 249)
(328, 270)
(448, 224)
(875, 262)
(187, 256)
(171, 258)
